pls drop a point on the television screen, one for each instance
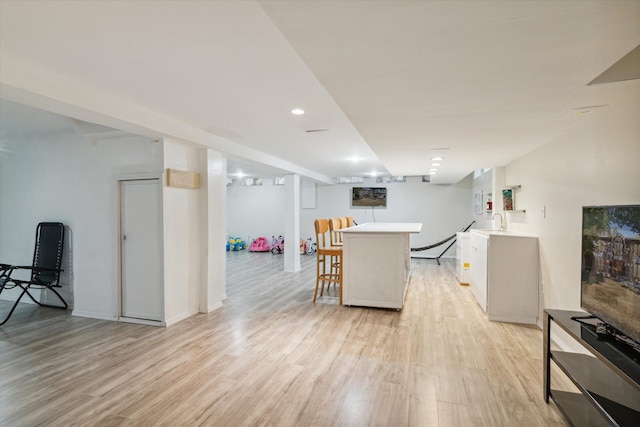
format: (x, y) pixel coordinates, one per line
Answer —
(369, 197)
(610, 283)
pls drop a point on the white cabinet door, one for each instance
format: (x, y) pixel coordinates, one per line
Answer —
(512, 278)
(478, 256)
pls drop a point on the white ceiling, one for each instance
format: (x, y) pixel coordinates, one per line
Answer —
(392, 81)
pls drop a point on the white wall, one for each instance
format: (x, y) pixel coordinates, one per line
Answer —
(183, 234)
(68, 178)
(597, 163)
(256, 211)
(443, 209)
(483, 184)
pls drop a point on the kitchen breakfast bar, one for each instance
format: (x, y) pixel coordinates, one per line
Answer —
(377, 263)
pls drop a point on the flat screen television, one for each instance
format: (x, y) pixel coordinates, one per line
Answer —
(368, 197)
(610, 282)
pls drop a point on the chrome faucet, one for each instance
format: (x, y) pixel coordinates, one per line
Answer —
(494, 217)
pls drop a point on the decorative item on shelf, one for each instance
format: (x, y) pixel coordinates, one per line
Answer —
(489, 202)
(508, 201)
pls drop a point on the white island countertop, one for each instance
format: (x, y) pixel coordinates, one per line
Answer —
(385, 227)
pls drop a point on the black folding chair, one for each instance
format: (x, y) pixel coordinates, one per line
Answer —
(45, 269)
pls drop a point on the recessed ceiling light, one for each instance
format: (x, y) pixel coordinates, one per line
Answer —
(435, 164)
(297, 111)
(355, 159)
(437, 158)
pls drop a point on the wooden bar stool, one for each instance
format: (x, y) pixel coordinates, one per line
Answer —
(335, 235)
(335, 224)
(327, 254)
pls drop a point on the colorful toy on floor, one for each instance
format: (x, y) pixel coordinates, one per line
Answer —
(307, 247)
(236, 244)
(259, 244)
(277, 245)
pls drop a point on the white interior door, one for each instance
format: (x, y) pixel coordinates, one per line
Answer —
(141, 295)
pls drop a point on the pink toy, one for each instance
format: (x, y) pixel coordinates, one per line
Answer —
(259, 245)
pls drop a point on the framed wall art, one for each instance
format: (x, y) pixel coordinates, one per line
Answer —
(508, 201)
(477, 202)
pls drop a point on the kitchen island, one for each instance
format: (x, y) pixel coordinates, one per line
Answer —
(377, 264)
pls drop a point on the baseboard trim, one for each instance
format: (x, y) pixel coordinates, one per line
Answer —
(90, 315)
(215, 306)
(142, 321)
(179, 318)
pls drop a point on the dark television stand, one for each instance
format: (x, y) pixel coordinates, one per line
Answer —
(606, 378)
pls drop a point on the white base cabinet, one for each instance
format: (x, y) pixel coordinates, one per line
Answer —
(504, 275)
(462, 257)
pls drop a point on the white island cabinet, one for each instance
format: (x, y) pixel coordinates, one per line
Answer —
(504, 275)
(377, 264)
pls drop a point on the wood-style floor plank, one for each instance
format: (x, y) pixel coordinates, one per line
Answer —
(271, 357)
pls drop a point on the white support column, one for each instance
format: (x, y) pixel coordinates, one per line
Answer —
(292, 223)
(214, 219)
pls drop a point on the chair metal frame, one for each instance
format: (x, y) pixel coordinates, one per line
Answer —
(45, 268)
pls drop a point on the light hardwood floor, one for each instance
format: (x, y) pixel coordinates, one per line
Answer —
(271, 357)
